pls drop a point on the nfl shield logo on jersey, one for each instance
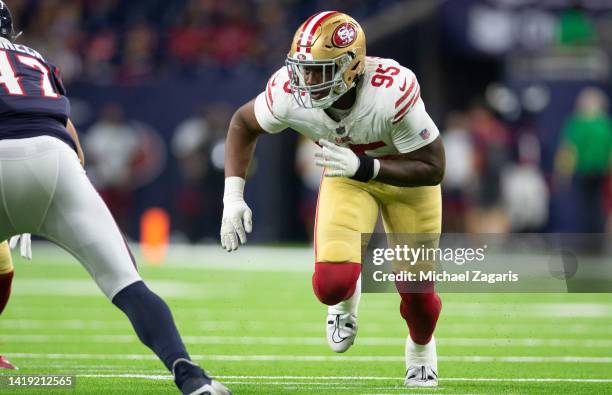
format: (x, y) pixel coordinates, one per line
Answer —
(424, 134)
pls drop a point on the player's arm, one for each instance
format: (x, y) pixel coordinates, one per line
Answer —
(247, 124)
(239, 148)
(424, 166)
(241, 140)
(61, 89)
(421, 167)
(75, 137)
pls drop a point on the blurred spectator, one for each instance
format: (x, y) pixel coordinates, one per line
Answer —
(215, 33)
(608, 205)
(575, 26)
(524, 190)
(111, 147)
(189, 146)
(188, 40)
(59, 35)
(234, 36)
(218, 116)
(138, 60)
(272, 46)
(198, 197)
(584, 156)
(460, 171)
(492, 153)
(99, 56)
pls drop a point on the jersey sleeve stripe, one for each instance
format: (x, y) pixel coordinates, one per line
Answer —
(405, 95)
(398, 117)
(269, 94)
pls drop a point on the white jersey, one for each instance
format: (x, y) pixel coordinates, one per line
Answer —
(388, 117)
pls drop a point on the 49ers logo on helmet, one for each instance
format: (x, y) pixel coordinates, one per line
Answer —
(344, 35)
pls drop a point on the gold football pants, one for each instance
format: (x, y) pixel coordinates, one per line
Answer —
(348, 208)
(6, 262)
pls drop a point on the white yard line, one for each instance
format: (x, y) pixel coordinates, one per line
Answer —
(510, 328)
(39, 286)
(206, 257)
(314, 340)
(325, 358)
(109, 324)
(189, 290)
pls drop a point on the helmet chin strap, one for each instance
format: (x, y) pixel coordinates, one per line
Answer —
(327, 101)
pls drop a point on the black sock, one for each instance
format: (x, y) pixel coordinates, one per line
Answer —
(184, 371)
(152, 321)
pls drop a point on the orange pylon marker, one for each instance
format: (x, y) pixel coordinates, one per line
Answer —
(154, 235)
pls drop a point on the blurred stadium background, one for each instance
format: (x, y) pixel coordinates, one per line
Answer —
(518, 87)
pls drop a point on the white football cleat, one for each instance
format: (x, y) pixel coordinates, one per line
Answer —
(421, 364)
(341, 331)
(421, 376)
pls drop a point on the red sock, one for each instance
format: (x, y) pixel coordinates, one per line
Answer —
(421, 312)
(334, 282)
(6, 280)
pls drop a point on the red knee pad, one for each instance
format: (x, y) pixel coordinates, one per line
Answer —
(334, 282)
(6, 280)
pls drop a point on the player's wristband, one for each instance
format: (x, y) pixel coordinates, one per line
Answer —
(234, 189)
(368, 168)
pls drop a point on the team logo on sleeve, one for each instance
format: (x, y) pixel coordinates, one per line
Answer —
(424, 134)
(344, 35)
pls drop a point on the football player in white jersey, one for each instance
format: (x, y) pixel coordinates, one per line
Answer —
(381, 152)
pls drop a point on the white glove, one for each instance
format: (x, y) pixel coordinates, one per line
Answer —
(25, 244)
(237, 216)
(339, 161)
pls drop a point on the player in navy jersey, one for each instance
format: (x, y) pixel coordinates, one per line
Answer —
(45, 191)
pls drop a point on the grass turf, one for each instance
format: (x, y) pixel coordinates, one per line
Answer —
(262, 332)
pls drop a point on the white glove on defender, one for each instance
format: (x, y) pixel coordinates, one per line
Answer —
(339, 161)
(237, 216)
(25, 244)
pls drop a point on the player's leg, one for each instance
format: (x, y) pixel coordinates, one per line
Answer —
(6, 280)
(345, 210)
(417, 211)
(6, 274)
(63, 207)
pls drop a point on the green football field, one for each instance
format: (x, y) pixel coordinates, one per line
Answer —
(250, 318)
